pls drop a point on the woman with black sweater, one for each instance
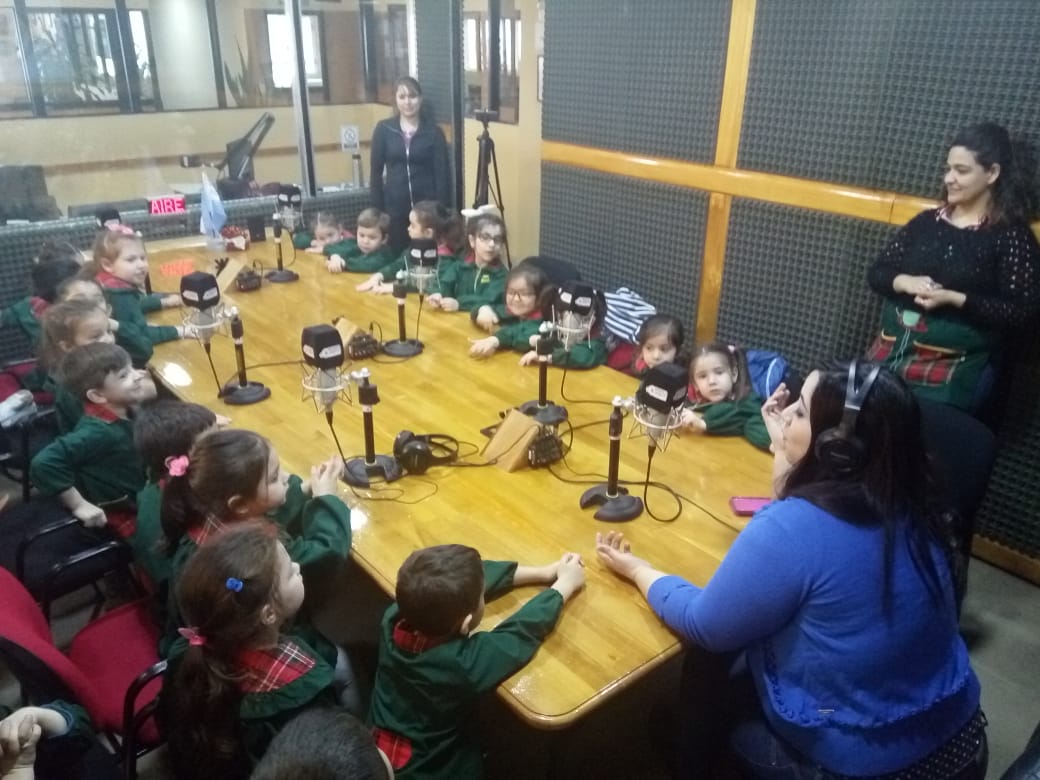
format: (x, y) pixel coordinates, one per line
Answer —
(958, 280)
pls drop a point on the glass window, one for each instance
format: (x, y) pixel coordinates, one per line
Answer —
(14, 88)
(279, 42)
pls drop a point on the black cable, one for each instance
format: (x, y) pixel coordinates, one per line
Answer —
(650, 450)
(563, 395)
(209, 356)
(398, 491)
(335, 438)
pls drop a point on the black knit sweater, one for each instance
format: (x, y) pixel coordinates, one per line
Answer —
(997, 268)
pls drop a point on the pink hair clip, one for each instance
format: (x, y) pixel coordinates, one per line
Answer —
(195, 639)
(177, 466)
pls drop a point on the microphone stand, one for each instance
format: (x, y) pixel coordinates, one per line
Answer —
(543, 410)
(402, 346)
(245, 392)
(615, 504)
(280, 274)
(360, 472)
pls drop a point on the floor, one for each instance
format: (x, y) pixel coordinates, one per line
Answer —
(1001, 623)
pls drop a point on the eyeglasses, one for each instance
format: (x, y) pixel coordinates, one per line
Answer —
(487, 238)
(523, 294)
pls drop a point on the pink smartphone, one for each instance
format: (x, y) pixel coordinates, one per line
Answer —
(745, 506)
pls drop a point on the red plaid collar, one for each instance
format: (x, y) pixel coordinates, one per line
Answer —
(412, 641)
(105, 279)
(100, 411)
(397, 749)
(945, 214)
(209, 528)
(263, 671)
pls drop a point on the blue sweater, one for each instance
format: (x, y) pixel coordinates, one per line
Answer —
(855, 690)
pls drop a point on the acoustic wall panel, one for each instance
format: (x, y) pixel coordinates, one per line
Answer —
(871, 93)
(795, 281)
(635, 76)
(623, 232)
(433, 54)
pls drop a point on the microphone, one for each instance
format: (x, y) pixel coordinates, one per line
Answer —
(200, 295)
(360, 472)
(280, 274)
(615, 504)
(659, 403)
(290, 205)
(421, 269)
(543, 410)
(422, 263)
(574, 310)
(322, 348)
(244, 392)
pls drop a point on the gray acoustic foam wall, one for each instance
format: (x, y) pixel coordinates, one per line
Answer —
(795, 281)
(433, 55)
(635, 76)
(625, 232)
(871, 93)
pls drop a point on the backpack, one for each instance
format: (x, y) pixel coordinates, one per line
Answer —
(766, 370)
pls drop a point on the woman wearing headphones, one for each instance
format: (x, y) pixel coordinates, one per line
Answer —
(840, 596)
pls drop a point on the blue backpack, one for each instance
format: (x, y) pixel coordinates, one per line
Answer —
(766, 370)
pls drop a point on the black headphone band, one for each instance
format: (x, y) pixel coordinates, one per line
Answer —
(856, 396)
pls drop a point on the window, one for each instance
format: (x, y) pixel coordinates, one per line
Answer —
(280, 43)
(14, 89)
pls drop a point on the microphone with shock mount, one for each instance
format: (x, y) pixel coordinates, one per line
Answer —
(287, 217)
(323, 355)
(421, 266)
(200, 295)
(360, 472)
(659, 404)
(244, 391)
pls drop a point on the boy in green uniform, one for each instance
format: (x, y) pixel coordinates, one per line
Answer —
(432, 669)
(96, 464)
(367, 252)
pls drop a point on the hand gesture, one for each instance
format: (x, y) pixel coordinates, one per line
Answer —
(486, 318)
(434, 300)
(19, 733)
(316, 248)
(529, 358)
(335, 264)
(449, 304)
(570, 575)
(693, 421)
(370, 284)
(187, 332)
(614, 550)
(938, 297)
(172, 301)
(482, 348)
(91, 516)
(772, 414)
(914, 285)
(325, 477)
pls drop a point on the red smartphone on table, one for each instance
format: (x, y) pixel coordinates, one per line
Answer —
(745, 506)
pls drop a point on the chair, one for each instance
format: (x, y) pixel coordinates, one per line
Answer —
(101, 671)
(1027, 765)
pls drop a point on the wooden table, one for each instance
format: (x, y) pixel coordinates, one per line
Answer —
(607, 637)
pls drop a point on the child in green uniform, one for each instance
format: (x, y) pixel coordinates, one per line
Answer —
(519, 317)
(121, 266)
(325, 231)
(235, 676)
(478, 282)
(55, 263)
(576, 312)
(432, 667)
(162, 430)
(368, 251)
(722, 401)
(96, 465)
(46, 741)
(229, 476)
(429, 220)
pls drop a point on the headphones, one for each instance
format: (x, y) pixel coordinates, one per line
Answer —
(839, 447)
(417, 454)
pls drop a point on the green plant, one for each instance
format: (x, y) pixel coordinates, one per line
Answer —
(248, 89)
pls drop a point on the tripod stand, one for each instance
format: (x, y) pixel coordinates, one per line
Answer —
(487, 160)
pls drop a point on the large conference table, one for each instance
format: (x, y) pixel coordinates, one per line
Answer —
(607, 638)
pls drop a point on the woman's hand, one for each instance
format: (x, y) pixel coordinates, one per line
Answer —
(772, 415)
(939, 297)
(614, 550)
(482, 348)
(914, 285)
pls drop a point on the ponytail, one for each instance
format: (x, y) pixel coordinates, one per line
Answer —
(178, 512)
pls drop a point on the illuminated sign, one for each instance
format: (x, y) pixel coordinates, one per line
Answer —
(167, 204)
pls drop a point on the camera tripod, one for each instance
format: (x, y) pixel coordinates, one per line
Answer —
(487, 161)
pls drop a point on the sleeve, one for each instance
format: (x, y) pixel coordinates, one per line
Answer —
(76, 718)
(499, 308)
(54, 468)
(323, 531)
(755, 431)
(389, 271)
(448, 277)
(1018, 283)
(359, 263)
(490, 656)
(517, 335)
(498, 578)
(891, 262)
(588, 354)
(151, 302)
(344, 248)
(302, 239)
(757, 589)
(441, 170)
(295, 501)
(135, 335)
(491, 293)
(730, 418)
(377, 153)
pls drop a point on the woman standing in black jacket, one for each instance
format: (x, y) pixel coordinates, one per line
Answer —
(411, 151)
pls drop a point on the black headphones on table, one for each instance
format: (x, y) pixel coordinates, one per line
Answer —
(418, 453)
(839, 447)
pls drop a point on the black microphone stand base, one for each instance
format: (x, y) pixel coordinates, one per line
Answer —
(243, 395)
(612, 509)
(403, 348)
(281, 275)
(549, 414)
(358, 473)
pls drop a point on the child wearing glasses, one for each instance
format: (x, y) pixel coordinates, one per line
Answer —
(480, 279)
(521, 314)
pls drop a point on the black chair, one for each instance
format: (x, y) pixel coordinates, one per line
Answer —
(964, 450)
(1027, 765)
(558, 271)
